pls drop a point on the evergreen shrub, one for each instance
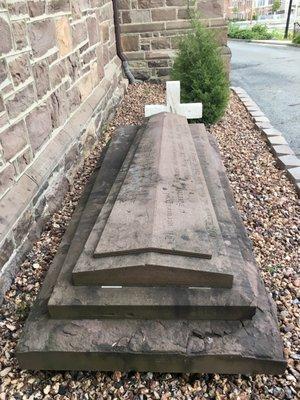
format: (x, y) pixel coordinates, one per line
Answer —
(257, 32)
(296, 39)
(200, 68)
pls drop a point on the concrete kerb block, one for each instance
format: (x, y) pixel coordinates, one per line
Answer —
(249, 103)
(253, 108)
(288, 161)
(254, 112)
(279, 147)
(263, 124)
(294, 176)
(276, 140)
(242, 92)
(238, 90)
(261, 118)
(268, 132)
(294, 173)
(281, 150)
(244, 96)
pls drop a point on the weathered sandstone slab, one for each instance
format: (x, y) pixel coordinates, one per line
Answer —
(247, 347)
(174, 329)
(162, 201)
(91, 301)
(231, 347)
(168, 223)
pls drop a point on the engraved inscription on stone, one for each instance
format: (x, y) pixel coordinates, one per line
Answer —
(160, 205)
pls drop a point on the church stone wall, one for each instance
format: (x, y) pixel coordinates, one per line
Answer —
(150, 30)
(59, 80)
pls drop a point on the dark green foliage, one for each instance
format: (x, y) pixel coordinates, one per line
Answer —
(258, 32)
(200, 69)
(261, 30)
(276, 5)
(296, 39)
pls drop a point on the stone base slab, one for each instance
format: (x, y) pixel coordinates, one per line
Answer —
(160, 346)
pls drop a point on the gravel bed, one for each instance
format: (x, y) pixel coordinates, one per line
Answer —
(270, 209)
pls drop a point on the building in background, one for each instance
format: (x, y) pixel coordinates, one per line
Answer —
(262, 9)
(295, 8)
(239, 9)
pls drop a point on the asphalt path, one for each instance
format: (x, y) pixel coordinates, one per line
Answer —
(271, 76)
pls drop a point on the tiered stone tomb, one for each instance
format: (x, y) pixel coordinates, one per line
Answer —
(155, 271)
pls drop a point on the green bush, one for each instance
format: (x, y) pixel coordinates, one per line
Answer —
(200, 68)
(296, 39)
(277, 34)
(258, 32)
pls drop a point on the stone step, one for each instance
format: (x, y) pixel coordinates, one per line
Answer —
(223, 200)
(167, 195)
(234, 347)
(150, 303)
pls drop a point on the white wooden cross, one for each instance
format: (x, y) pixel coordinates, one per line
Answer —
(188, 110)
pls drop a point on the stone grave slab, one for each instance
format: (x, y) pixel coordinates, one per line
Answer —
(251, 347)
(168, 199)
(85, 327)
(116, 302)
(162, 200)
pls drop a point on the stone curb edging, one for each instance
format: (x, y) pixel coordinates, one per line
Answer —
(284, 155)
(271, 42)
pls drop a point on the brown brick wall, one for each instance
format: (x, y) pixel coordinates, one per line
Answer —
(150, 29)
(59, 79)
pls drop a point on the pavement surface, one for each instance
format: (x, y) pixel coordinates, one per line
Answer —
(271, 76)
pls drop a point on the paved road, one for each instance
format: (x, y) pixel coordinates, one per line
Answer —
(271, 76)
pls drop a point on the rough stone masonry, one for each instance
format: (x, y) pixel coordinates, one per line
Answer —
(155, 272)
(150, 30)
(60, 79)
